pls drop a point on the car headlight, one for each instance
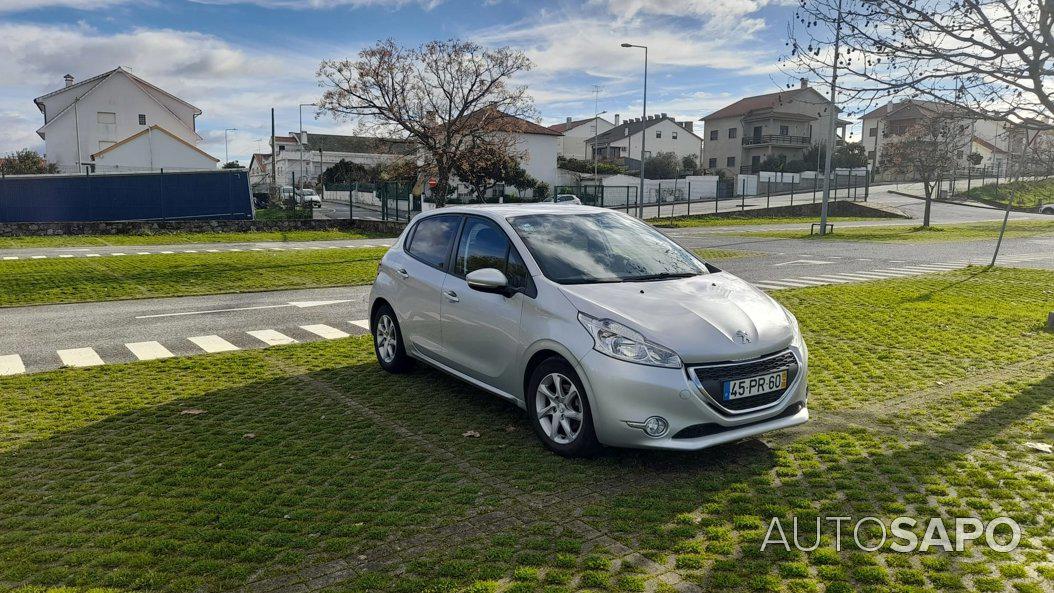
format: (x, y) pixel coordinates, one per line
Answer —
(798, 342)
(618, 341)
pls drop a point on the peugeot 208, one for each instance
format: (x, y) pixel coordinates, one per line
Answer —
(603, 329)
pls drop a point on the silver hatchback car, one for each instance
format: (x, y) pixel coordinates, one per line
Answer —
(603, 329)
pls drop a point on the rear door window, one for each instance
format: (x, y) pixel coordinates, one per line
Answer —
(432, 239)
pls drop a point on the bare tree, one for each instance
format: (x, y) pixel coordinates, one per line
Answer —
(992, 58)
(928, 151)
(448, 97)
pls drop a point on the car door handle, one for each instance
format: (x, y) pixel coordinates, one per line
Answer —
(451, 296)
(402, 272)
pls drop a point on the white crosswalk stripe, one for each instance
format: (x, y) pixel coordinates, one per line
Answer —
(11, 364)
(79, 357)
(363, 323)
(148, 350)
(271, 337)
(213, 343)
(827, 279)
(325, 331)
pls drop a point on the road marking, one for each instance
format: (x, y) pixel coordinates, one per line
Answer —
(167, 252)
(148, 350)
(325, 331)
(804, 262)
(143, 253)
(92, 255)
(11, 364)
(827, 279)
(363, 323)
(190, 251)
(10, 257)
(117, 253)
(790, 283)
(271, 337)
(38, 257)
(768, 286)
(806, 281)
(79, 357)
(66, 255)
(862, 276)
(298, 304)
(213, 343)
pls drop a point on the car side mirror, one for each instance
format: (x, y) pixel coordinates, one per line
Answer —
(488, 280)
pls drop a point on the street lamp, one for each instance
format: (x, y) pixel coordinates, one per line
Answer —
(226, 153)
(596, 129)
(644, 125)
(300, 139)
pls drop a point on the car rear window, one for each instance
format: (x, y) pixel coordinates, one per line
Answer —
(432, 239)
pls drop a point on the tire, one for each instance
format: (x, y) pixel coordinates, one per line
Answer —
(552, 376)
(388, 341)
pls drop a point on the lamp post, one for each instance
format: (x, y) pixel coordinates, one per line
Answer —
(300, 139)
(596, 130)
(226, 153)
(644, 125)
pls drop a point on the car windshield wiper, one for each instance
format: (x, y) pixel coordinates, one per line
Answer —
(661, 276)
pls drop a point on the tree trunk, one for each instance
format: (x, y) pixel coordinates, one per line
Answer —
(929, 203)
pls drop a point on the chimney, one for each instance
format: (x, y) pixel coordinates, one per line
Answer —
(616, 120)
(568, 119)
(69, 80)
(804, 82)
(688, 125)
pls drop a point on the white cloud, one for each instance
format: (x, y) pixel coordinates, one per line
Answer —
(326, 4)
(23, 5)
(722, 9)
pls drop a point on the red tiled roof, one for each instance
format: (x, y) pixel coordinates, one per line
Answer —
(504, 122)
(565, 126)
(988, 145)
(748, 104)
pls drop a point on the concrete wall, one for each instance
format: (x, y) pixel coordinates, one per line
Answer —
(539, 156)
(151, 151)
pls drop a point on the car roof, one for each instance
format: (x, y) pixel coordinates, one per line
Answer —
(510, 210)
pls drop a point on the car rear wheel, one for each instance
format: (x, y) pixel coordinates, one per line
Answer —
(559, 411)
(388, 341)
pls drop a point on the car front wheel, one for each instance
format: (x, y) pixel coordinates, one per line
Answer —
(559, 411)
(388, 341)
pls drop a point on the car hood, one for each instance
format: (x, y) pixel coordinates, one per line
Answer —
(706, 318)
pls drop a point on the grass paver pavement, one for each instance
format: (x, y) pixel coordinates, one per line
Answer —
(29, 242)
(306, 468)
(981, 231)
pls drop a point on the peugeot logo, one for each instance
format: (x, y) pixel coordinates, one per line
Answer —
(743, 337)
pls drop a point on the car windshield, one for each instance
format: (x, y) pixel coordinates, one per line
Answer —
(602, 247)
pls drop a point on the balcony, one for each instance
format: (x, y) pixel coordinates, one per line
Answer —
(777, 139)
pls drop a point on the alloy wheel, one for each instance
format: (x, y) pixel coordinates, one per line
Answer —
(385, 336)
(559, 409)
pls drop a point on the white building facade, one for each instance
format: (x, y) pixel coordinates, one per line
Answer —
(85, 118)
(573, 143)
(660, 133)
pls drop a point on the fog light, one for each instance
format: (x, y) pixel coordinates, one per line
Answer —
(656, 426)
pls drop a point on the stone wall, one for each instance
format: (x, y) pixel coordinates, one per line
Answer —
(19, 229)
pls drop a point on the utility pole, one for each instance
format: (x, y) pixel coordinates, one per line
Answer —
(834, 120)
(226, 153)
(300, 139)
(274, 159)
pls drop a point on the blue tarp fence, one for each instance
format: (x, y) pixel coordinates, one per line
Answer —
(215, 195)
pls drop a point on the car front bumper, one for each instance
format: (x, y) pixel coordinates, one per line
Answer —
(623, 395)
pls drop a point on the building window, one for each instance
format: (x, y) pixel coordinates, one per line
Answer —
(872, 133)
(730, 161)
(714, 134)
(713, 163)
(785, 131)
(142, 119)
(732, 133)
(871, 155)
(673, 135)
(658, 133)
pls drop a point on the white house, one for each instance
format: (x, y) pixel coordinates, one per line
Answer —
(576, 132)
(308, 155)
(660, 133)
(152, 149)
(84, 118)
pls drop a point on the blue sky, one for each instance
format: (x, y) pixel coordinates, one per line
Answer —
(235, 59)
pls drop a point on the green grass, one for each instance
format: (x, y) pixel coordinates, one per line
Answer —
(181, 238)
(923, 390)
(720, 253)
(1028, 195)
(46, 281)
(981, 231)
(721, 221)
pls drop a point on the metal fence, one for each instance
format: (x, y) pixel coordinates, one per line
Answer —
(393, 200)
(220, 195)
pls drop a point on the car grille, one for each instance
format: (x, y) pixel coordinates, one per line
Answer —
(711, 377)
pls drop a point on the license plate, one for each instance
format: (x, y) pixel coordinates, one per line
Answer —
(755, 385)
